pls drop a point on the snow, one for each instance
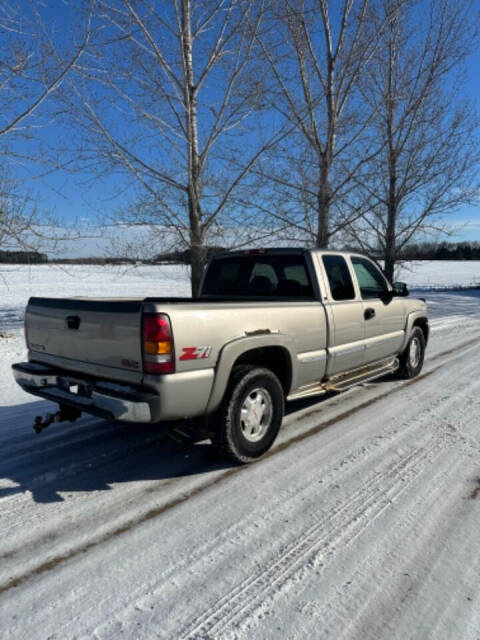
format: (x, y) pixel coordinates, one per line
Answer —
(361, 523)
(428, 274)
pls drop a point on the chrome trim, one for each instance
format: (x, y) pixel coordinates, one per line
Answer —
(37, 380)
(120, 408)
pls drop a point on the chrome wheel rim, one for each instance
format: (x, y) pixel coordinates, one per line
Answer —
(256, 414)
(414, 353)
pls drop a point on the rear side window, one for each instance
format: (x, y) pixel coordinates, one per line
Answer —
(263, 275)
(371, 282)
(339, 279)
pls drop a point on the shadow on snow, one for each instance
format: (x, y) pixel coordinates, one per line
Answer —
(93, 455)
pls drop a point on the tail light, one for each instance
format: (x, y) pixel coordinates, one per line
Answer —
(158, 348)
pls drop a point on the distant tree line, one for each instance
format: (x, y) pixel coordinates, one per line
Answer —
(179, 256)
(22, 257)
(417, 251)
(432, 251)
(95, 260)
(183, 256)
(442, 251)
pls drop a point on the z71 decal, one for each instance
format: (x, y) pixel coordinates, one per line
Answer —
(195, 353)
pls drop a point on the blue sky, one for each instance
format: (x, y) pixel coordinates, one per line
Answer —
(465, 223)
(87, 198)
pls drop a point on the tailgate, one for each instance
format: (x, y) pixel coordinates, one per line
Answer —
(103, 336)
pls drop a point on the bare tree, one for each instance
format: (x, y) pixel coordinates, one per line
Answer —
(24, 226)
(32, 67)
(425, 128)
(169, 98)
(318, 52)
(17, 216)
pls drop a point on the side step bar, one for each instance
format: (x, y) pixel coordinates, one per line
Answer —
(364, 374)
(314, 389)
(343, 381)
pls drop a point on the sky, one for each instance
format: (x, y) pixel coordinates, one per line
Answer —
(90, 200)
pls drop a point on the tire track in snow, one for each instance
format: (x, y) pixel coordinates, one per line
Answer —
(361, 508)
(458, 351)
(367, 502)
(370, 452)
(401, 540)
(410, 551)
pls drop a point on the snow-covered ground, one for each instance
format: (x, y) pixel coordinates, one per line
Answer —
(361, 523)
(437, 273)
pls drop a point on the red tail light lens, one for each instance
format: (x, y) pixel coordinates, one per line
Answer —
(158, 347)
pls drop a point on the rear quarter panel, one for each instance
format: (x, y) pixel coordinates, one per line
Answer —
(300, 327)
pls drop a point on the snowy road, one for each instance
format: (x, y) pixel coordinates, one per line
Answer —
(363, 522)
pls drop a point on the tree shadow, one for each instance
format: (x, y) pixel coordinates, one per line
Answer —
(11, 318)
(444, 303)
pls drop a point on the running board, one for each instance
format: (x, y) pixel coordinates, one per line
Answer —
(314, 389)
(349, 379)
(343, 381)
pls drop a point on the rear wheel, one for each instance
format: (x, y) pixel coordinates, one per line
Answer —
(251, 413)
(411, 360)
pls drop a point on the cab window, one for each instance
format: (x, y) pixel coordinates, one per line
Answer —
(339, 279)
(370, 280)
(264, 275)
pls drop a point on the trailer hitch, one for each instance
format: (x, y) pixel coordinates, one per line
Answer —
(64, 414)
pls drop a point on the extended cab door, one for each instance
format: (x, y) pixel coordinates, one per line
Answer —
(383, 315)
(344, 309)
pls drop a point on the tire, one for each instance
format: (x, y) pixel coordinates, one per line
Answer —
(248, 421)
(411, 360)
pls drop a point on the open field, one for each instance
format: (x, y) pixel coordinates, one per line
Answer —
(362, 522)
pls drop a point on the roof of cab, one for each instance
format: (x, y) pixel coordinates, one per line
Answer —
(277, 250)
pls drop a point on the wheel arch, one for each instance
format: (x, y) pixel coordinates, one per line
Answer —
(275, 358)
(415, 318)
(422, 322)
(273, 353)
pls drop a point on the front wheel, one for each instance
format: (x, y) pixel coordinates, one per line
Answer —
(411, 360)
(251, 413)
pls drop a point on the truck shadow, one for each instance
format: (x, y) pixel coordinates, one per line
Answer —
(89, 455)
(94, 455)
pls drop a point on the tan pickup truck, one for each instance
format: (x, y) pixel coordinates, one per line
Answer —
(269, 326)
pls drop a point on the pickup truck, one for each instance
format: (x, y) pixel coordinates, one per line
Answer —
(268, 326)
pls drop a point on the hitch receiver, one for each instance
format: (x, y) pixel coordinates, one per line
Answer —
(64, 414)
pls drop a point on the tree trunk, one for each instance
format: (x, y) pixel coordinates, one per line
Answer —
(323, 203)
(197, 249)
(197, 261)
(390, 257)
(390, 231)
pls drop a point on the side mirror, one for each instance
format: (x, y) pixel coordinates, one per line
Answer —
(400, 289)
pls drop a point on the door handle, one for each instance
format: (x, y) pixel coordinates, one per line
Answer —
(73, 322)
(369, 313)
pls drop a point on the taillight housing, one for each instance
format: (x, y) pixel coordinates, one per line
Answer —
(157, 343)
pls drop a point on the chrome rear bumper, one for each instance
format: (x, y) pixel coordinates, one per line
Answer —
(105, 399)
